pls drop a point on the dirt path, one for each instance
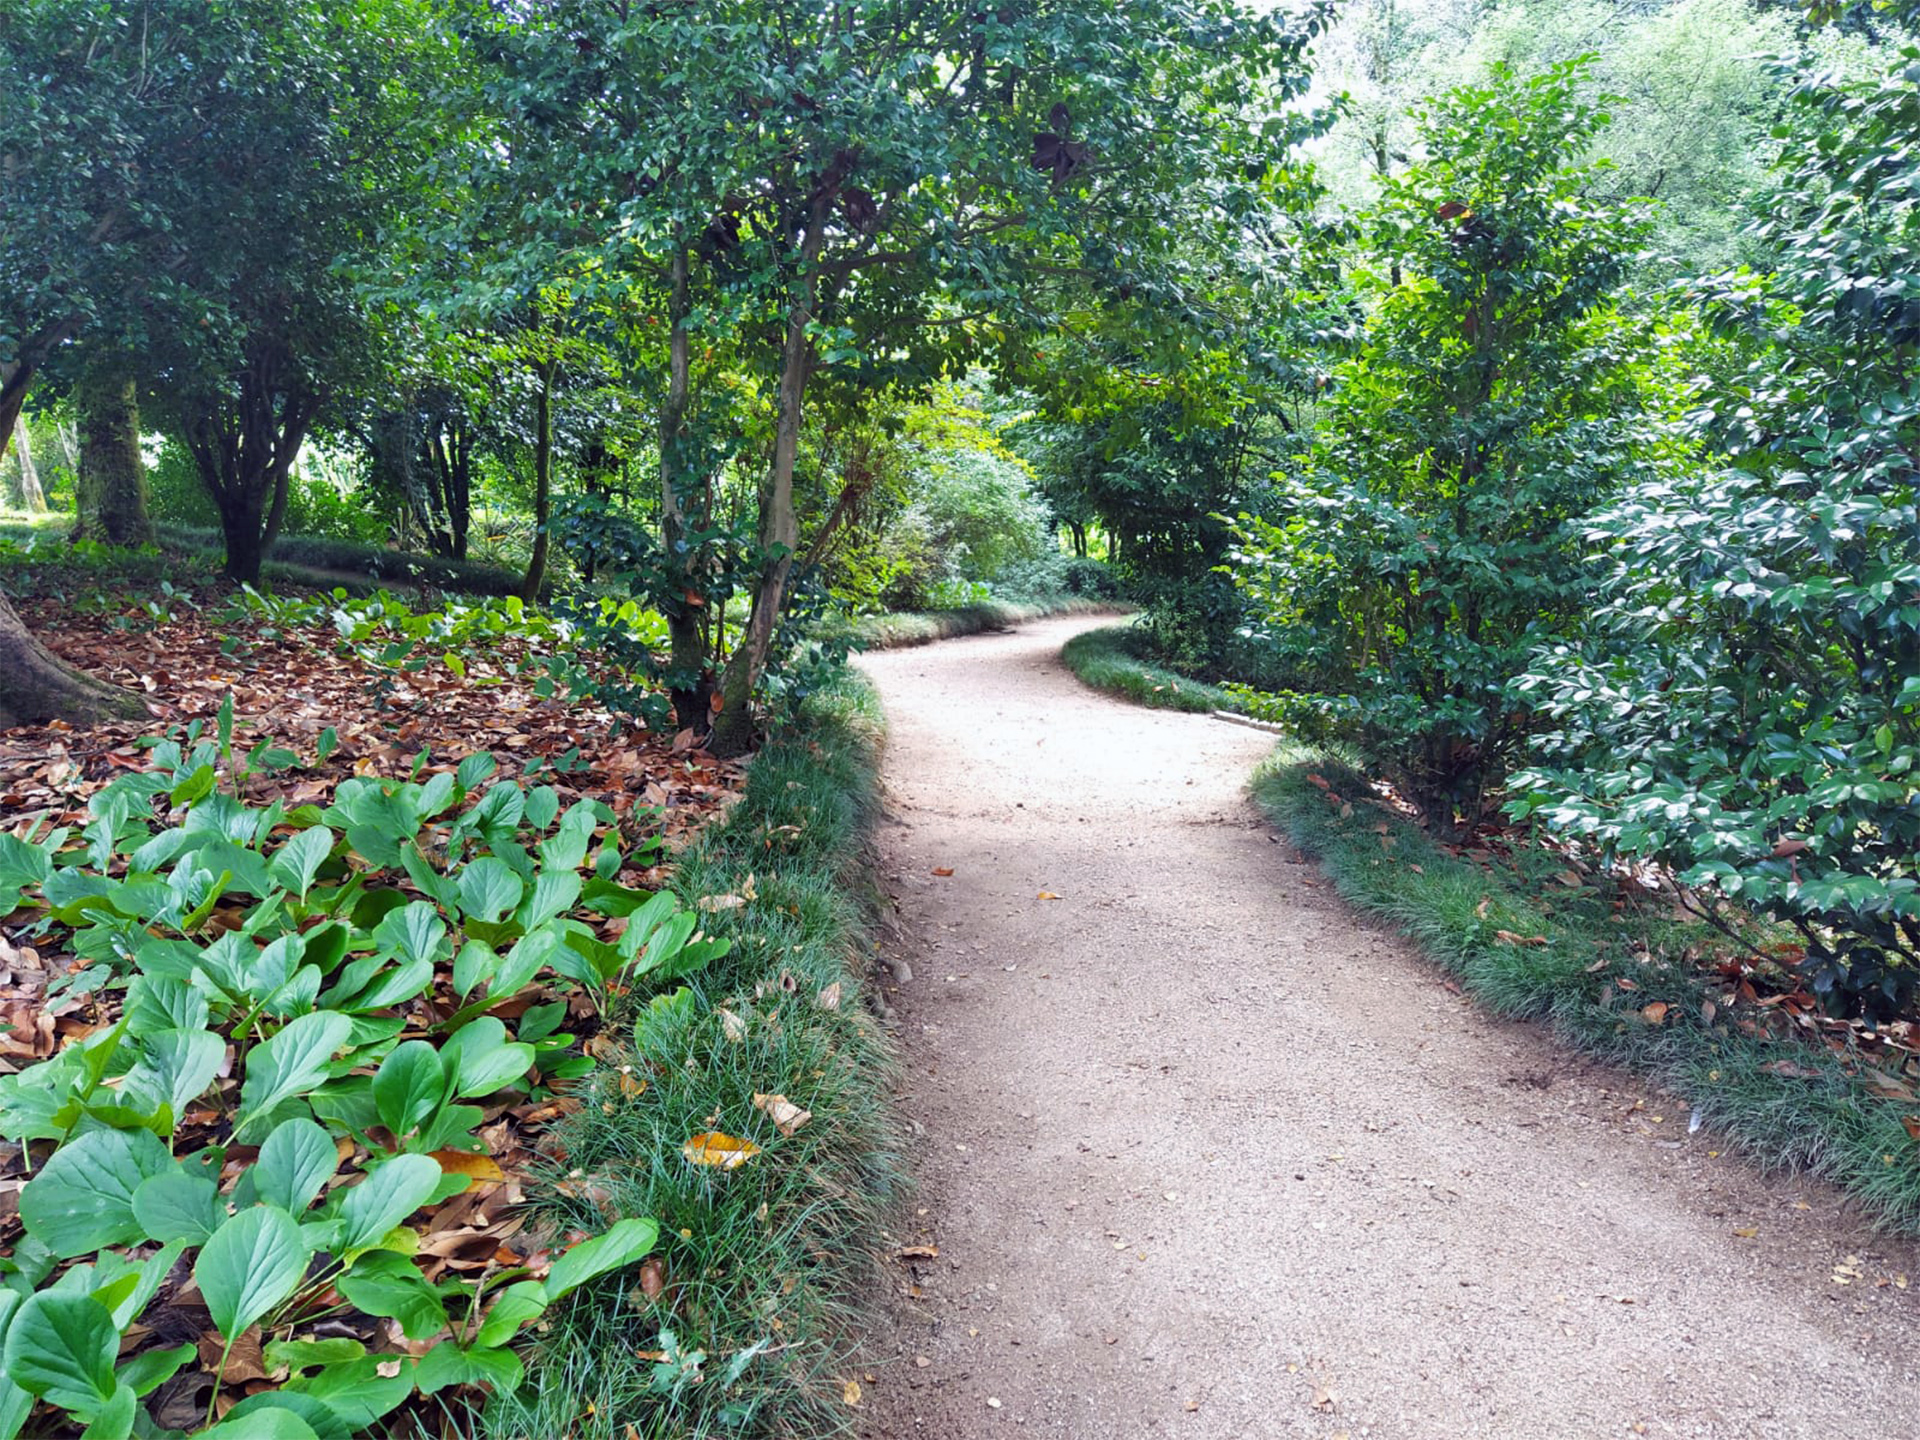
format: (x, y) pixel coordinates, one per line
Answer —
(1205, 1155)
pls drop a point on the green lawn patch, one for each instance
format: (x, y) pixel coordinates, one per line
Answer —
(1119, 660)
(744, 1325)
(1620, 983)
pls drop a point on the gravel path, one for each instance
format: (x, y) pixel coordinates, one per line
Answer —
(1205, 1155)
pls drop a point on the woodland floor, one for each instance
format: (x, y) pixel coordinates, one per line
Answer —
(1203, 1154)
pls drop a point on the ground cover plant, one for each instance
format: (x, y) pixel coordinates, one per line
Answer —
(287, 1031)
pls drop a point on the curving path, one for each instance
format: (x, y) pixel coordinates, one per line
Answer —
(1205, 1155)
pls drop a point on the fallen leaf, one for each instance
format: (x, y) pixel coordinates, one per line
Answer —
(653, 1277)
(1746, 1232)
(943, 870)
(1047, 895)
(474, 1167)
(714, 904)
(787, 1117)
(724, 1152)
(731, 1025)
(1509, 938)
(1655, 1013)
(917, 1252)
(850, 1393)
(829, 998)
(1324, 1399)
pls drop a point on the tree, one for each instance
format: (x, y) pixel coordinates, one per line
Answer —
(37, 686)
(1424, 548)
(1746, 711)
(111, 499)
(846, 199)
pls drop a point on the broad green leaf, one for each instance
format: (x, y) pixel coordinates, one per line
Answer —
(447, 1364)
(384, 1199)
(518, 1306)
(61, 1346)
(409, 1086)
(355, 1390)
(300, 859)
(299, 1355)
(175, 1205)
(150, 1369)
(294, 1166)
(483, 1060)
(395, 1292)
(489, 890)
(267, 1417)
(476, 768)
(292, 1062)
(175, 1066)
(252, 1264)
(626, 1242)
(414, 932)
(472, 967)
(82, 1199)
(114, 1420)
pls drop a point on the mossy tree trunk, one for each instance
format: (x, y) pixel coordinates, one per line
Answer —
(690, 664)
(536, 576)
(111, 490)
(37, 686)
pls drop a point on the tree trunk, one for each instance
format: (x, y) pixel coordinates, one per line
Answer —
(111, 490)
(779, 527)
(689, 662)
(244, 447)
(16, 378)
(37, 686)
(542, 486)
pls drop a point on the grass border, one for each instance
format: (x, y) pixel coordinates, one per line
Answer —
(782, 1249)
(1113, 659)
(1807, 1114)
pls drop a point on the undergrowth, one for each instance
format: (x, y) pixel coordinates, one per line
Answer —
(1616, 983)
(750, 1316)
(1119, 660)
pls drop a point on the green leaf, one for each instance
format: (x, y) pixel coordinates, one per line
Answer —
(299, 1355)
(276, 1408)
(82, 1199)
(252, 1264)
(384, 1199)
(177, 1206)
(489, 890)
(483, 1060)
(395, 1291)
(295, 1164)
(476, 768)
(627, 1242)
(176, 1067)
(114, 1420)
(517, 1307)
(414, 933)
(300, 859)
(447, 1364)
(61, 1347)
(150, 1369)
(292, 1062)
(328, 742)
(410, 1085)
(269, 1419)
(355, 1390)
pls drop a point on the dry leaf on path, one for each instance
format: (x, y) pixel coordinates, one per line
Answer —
(723, 1152)
(1047, 895)
(474, 1167)
(943, 870)
(787, 1117)
(850, 1392)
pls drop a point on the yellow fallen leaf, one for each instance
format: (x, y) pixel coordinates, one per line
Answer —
(1747, 1232)
(731, 1025)
(474, 1167)
(725, 1152)
(850, 1392)
(787, 1117)
(714, 904)
(1048, 895)
(1655, 1013)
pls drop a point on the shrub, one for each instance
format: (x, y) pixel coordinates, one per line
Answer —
(1748, 710)
(1423, 549)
